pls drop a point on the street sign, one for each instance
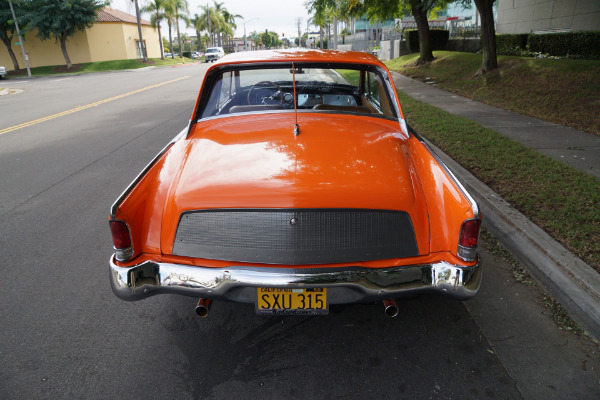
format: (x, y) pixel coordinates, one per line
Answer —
(17, 43)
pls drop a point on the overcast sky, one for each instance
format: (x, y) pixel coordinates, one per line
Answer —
(275, 15)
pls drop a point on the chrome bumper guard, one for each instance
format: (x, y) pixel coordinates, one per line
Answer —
(345, 285)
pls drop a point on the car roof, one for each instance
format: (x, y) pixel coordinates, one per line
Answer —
(300, 55)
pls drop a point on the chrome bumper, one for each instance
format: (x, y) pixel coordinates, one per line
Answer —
(345, 285)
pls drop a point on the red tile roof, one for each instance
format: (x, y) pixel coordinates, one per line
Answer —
(112, 15)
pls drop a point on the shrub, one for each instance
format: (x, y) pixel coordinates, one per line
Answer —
(187, 54)
(511, 44)
(325, 43)
(583, 44)
(438, 37)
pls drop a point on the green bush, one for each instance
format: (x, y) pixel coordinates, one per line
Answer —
(438, 37)
(325, 43)
(187, 54)
(511, 44)
(582, 44)
(412, 40)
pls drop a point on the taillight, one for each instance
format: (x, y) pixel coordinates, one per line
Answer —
(467, 241)
(121, 240)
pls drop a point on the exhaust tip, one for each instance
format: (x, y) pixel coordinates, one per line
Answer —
(391, 309)
(203, 307)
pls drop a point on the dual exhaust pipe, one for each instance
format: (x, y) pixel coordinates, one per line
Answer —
(391, 309)
(203, 307)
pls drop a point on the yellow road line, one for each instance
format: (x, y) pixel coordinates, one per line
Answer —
(81, 108)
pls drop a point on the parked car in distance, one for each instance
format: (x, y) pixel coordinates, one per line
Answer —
(2, 72)
(167, 54)
(296, 185)
(212, 54)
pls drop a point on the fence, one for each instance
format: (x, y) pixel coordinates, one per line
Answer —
(372, 37)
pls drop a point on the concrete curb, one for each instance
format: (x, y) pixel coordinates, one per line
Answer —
(573, 283)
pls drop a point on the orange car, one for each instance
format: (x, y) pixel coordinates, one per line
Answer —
(296, 185)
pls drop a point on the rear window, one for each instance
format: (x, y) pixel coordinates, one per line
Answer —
(337, 90)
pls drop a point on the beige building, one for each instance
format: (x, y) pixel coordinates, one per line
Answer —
(525, 16)
(113, 37)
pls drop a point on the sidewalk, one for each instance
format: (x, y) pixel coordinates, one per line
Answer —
(567, 278)
(579, 149)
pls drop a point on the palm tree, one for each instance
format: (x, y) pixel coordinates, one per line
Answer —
(139, 25)
(321, 20)
(157, 10)
(219, 11)
(230, 25)
(169, 12)
(196, 23)
(211, 22)
(181, 9)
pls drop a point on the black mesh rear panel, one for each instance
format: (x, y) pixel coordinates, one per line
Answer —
(295, 236)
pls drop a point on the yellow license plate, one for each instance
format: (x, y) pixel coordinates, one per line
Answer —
(292, 301)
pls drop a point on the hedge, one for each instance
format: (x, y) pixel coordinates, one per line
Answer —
(582, 44)
(438, 37)
(511, 44)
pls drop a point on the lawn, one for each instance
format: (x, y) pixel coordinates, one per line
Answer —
(562, 91)
(561, 200)
(99, 66)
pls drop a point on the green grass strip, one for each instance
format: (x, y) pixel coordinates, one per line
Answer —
(558, 198)
(100, 66)
(563, 91)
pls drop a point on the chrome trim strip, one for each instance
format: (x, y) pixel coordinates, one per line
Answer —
(300, 111)
(460, 186)
(345, 285)
(138, 178)
(392, 97)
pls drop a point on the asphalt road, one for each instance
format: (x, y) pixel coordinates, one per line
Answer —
(64, 335)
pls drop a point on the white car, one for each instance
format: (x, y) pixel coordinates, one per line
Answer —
(2, 72)
(214, 53)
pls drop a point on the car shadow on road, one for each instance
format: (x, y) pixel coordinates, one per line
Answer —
(431, 350)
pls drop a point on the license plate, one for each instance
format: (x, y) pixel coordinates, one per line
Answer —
(274, 301)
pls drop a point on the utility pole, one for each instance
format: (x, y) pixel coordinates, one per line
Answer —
(335, 31)
(245, 39)
(20, 39)
(209, 28)
(299, 25)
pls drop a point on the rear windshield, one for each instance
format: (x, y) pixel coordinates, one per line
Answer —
(338, 90)
(212, 50)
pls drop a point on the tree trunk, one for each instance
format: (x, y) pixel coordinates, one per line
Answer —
(488, 36)
(6, 40)
(321, 37)
(420, 14)
(139, 26)
(171, 41)
(178, 34)
(162, 50)
(63, 47)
